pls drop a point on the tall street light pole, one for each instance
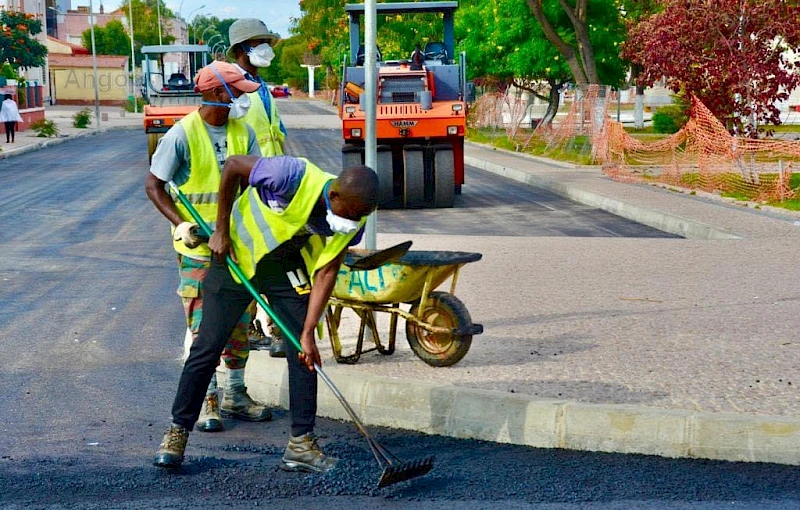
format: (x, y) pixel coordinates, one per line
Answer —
(371, 86)
(158, 10)
(203, 33)
(94, 66)
(190, 25)
(133, 59)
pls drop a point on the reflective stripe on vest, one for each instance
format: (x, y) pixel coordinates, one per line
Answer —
(202, 188)
(256, 229)
(267, 126)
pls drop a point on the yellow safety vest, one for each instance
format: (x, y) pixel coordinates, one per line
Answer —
(267, 126)
(256, 229)
(202, 188)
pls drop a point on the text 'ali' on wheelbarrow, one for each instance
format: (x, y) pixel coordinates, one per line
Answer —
(394, 470)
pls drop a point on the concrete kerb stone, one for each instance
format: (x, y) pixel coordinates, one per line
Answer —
(670, 223)
(541, 423)
(47, 142)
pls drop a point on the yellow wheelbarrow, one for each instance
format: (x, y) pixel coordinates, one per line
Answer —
(439, 328)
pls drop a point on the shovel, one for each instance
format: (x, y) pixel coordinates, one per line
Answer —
(394, 470)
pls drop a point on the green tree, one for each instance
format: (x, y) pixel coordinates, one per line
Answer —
(506, 44)
(210, 25)
(145, 23)
(111, 39)
(577, 29)
(17, 46)
(292, 51)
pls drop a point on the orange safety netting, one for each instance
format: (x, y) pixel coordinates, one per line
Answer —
(703, 155)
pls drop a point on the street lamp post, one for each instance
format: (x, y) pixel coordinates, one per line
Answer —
(133, 59)
(190, 26)
(94, 66)
(203, 33)
(158, 11)
(222, 39)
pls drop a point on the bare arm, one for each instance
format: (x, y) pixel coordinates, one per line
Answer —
(154, 187)
(318, 299)
(236, 170)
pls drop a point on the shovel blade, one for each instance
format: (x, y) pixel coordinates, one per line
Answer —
(403, 471)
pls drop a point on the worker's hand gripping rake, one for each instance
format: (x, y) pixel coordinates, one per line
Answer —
(394, 470)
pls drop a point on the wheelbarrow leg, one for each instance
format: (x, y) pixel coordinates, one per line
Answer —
(333, 319)
(392, 332)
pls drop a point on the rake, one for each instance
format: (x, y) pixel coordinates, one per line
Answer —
(394, 470)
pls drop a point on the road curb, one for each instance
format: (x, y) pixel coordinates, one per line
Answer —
(524, 420)
(47, 142)
(660, 220)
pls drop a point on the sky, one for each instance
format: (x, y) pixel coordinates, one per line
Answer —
(276, 14)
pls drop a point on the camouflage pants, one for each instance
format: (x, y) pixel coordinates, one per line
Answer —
(192, 272)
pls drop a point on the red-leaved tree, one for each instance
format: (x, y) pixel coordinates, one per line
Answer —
(731, 54)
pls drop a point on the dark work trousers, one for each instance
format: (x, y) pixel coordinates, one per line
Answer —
(224, 302)
(10, 127)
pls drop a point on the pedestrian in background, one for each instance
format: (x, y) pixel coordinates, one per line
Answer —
(9, 114)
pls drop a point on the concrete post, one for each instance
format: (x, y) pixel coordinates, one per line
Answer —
(310, 78)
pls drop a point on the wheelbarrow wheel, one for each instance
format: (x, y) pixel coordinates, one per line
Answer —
(436, 349)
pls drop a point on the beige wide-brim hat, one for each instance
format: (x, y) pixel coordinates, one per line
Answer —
(248, 28)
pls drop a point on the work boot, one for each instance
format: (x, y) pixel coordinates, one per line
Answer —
(304, 454)
(209, 420)
(278, 347)
(258, 340)
(238, 405)
(170, 452)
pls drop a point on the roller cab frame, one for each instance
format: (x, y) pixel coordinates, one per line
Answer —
(420, 113)
(168, 98)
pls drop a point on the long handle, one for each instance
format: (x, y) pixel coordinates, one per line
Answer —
(235, 268)
(260, 300)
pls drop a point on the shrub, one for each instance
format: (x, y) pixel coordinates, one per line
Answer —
(140, 102)
(669, 119)
(45, 128)
(82, 118)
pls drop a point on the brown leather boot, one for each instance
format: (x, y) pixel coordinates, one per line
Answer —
(170, 451)
(209, 420)
(304, 454)
(237, 404)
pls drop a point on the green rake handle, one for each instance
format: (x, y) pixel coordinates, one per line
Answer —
(394, 470)
(257, 296)
(236, 269)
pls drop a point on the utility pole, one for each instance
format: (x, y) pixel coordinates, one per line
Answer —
(371, 91)
(158, 10)
(133, 59)
(94, 66)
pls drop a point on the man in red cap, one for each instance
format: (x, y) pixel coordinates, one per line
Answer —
(192, 154)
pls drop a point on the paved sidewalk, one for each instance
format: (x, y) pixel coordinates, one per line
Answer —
(677, 347)
(112, 117)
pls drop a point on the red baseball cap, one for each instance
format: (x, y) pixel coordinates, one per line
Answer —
(212, 75)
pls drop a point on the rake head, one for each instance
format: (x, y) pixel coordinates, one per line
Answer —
(401, 471)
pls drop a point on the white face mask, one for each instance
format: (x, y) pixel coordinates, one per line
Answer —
(338, 224)
(261, 55)
(239, 107)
